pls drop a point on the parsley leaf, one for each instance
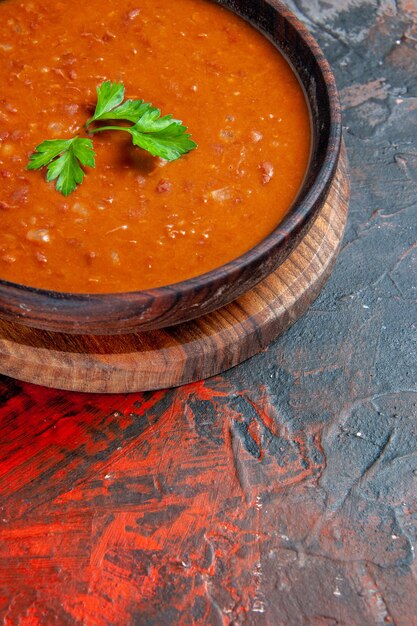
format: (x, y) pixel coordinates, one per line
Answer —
(109, 96)
(62, 158)
(131, 110)
(163, 137)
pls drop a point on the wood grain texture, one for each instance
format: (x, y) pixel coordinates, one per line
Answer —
(191, 351)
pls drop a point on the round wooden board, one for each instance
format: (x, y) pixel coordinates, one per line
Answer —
(195, 350)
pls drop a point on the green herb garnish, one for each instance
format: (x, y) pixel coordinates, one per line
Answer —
(62, 158)
(109, 107)
(163, 137)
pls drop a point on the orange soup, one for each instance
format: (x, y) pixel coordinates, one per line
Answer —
(136, 221)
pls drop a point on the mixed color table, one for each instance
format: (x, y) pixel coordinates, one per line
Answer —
(283, 493)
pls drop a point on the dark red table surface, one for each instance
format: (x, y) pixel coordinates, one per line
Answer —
(284, 492)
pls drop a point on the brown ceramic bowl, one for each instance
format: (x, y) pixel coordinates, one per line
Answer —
(165, 306)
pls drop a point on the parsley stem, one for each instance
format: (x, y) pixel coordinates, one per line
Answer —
(97, 130)
(162, 137)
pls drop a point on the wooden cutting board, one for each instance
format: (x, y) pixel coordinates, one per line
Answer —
(195, 350)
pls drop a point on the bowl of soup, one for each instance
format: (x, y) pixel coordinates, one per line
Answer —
(144, 243)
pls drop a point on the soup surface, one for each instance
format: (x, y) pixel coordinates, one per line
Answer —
(136, 221)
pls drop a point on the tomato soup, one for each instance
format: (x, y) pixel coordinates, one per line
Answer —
(136, 221)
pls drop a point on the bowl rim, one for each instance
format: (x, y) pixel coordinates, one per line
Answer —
(293, 221)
